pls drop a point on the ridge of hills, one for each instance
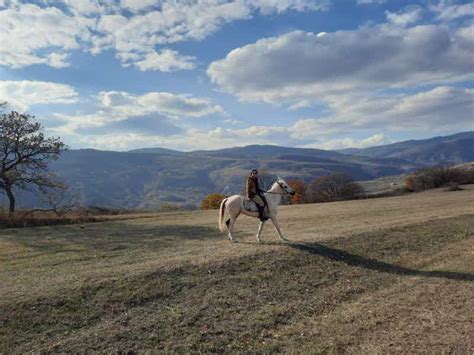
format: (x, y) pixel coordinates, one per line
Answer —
(147, 178)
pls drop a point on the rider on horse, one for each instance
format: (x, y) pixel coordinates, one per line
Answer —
(255, 194)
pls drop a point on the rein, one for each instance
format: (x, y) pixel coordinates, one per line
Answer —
(284, 193)
(276, 193)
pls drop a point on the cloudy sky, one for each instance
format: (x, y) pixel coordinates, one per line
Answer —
(206, 74)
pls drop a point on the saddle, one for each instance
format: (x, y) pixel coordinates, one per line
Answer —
(251, 206)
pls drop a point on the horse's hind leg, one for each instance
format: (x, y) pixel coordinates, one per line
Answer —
(230, 227)
(260, 227)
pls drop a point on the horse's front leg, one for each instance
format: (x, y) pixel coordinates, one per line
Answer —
(260, 227)
(277, 228)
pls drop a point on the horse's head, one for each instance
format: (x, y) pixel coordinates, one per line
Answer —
(284, 187)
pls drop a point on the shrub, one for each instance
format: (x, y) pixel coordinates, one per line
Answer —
(333, 187)
(299, 187)
(409, 183)
(170, 207)
(212, 201)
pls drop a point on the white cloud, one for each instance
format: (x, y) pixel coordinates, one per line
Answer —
(175, 21)
(138, 119)
(344, 61)
(115, 99)
(341, 143)
(57, 60)
(447, 11)
(112, 23)
(366, 2)
(466, 34)
(137, 6)
(166, 60)
(442, 108)
(127, 121)
(232, 121)
(279, 6)
(136, 30)
(190, 139)
(103, 124)
(121, 142)
(20, 95)
(437, 110)
(264, 134)
(179, 105)
(165, 103)
(403, 18)
(33, 35)
(84, 7)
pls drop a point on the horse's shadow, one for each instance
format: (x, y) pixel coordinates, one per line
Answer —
(366, 262)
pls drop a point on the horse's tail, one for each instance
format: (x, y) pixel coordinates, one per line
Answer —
(221, 215)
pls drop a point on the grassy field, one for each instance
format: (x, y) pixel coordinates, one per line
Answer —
(384, 186)
(368, 276)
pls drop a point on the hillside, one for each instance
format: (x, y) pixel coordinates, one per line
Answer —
(390, 275)
(455, 149)
(147, 178)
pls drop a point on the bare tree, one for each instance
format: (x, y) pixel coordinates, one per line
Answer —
(24, 157)
(437, 176)
(333, 187)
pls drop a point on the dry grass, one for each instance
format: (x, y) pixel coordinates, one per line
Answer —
(386, 275)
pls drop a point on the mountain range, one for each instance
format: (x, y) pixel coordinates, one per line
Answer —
(148, 178)
(457, 148)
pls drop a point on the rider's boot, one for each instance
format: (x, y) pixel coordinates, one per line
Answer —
(261, 213)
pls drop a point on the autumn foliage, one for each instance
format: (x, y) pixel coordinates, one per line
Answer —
(299, 187)
(212, 201)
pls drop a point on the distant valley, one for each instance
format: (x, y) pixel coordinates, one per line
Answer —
(148, 178)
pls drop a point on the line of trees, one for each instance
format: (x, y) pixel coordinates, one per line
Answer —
(439, 176)
(327, 188)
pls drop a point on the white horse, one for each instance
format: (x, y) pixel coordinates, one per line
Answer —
(234, 205)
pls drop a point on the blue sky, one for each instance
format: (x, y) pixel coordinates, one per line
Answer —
(207, 74)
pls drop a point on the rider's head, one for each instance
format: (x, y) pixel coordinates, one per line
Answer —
(254, 172)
